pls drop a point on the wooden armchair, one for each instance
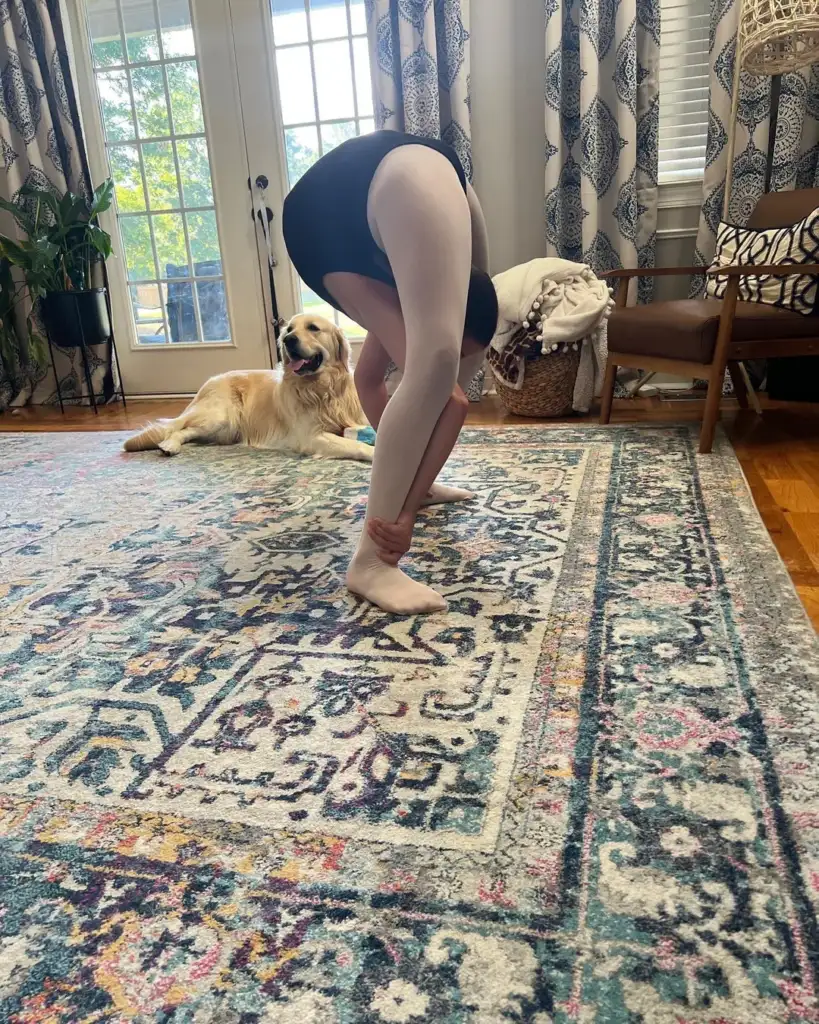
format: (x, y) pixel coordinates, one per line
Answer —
(701, 337)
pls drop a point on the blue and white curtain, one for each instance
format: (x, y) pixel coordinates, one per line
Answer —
(41, 145)
(602, 119)
(420, 61)
(796, 152)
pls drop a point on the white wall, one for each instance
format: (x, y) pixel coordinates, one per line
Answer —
(676, 236)
(508, 141)
(508, 125)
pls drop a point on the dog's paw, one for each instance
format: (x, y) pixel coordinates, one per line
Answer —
(170, 447)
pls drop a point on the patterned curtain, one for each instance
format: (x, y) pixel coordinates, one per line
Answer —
(420, 60)
(40, 145)
(796, 152)
(602, 119)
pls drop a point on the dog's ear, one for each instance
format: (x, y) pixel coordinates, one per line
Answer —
(343, 345)
(280, 340)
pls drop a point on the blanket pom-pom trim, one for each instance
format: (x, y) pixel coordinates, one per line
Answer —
(549, 349)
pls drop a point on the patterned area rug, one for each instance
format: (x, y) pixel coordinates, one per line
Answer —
(229, 792)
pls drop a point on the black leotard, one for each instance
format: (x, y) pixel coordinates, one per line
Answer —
(325, 216)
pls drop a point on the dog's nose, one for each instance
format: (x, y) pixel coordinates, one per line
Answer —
(290, 342)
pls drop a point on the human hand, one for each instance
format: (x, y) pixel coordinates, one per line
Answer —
(392, 540)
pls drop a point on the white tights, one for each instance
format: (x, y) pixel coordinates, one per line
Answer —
(428, 229)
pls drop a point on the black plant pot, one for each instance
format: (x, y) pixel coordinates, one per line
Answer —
(76, 318)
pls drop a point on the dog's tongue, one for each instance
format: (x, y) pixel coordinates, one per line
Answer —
(297, 364)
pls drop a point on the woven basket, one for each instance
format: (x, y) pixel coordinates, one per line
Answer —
(548, 386)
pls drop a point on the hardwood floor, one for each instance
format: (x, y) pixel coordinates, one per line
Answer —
(779, 453)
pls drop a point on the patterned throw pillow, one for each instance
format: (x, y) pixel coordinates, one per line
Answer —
(798, 243)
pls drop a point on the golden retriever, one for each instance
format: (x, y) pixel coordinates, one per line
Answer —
(304, 409)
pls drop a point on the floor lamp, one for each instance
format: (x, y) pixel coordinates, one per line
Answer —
(773, 37)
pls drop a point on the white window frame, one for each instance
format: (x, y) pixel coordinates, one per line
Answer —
(169, 369)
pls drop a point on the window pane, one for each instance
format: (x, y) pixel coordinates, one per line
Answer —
(328, 21)
(116, 106)
(296, 85)
(103, 24)
(160, 176)
(333, 135)
(213, 310)
(312, 303)
(146, 303)
(334, 80)
(367, 125)
(350, 327)
(363, 84)
(204, 240)
(149, 100)
(301, 145)
(289, 26)
(148, 307)
(181, 313)
(358, 17)
(177, 33)
(124, 164)
(151, 333)
(140, 31)
(186, 103)
(136, 240)
(108, 51)
(194, 169)
(169, 235)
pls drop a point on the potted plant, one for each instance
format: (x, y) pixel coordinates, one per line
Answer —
(57, 258)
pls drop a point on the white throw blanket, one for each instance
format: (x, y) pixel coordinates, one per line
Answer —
(572, 305)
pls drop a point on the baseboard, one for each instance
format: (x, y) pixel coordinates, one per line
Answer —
(159, 397)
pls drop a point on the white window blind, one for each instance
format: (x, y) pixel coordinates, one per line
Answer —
(683, 89)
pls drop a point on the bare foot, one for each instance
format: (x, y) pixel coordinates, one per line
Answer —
(440, 494)
(389, 588)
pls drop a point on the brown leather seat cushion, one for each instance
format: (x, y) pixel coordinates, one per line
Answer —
(687, 328)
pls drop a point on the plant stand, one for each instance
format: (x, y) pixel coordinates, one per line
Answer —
(83, 347)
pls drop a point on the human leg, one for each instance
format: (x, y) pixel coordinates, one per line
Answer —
(376, 306)
(369, 378)
(420, 215)
(370, 574)
(480, 236)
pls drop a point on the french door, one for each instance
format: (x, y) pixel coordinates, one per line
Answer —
(205, 113)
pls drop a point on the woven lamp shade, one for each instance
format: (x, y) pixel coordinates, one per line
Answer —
(777, 36)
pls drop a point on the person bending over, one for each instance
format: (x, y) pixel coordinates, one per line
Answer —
(387, 229)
